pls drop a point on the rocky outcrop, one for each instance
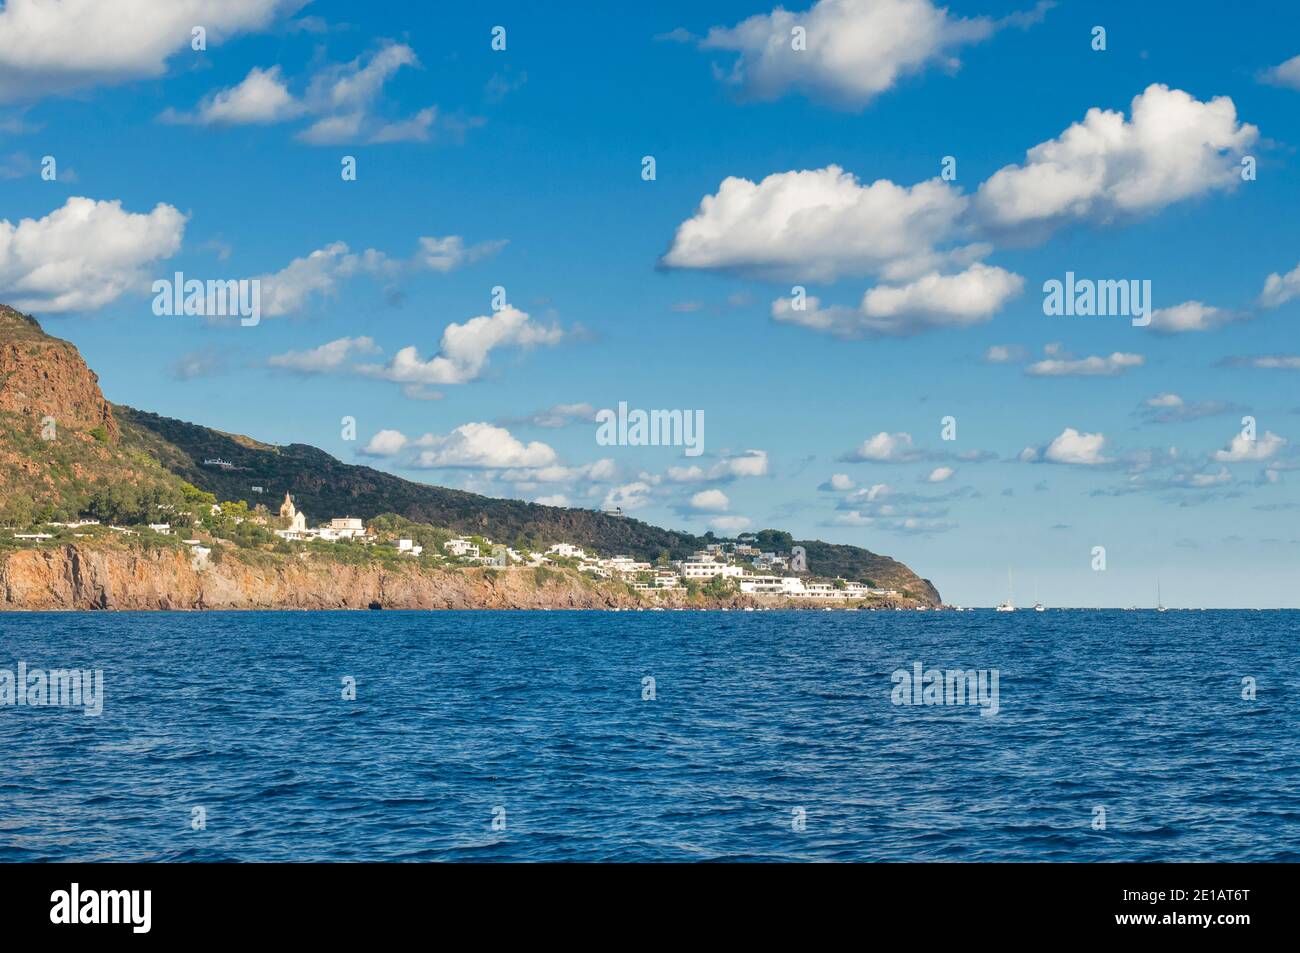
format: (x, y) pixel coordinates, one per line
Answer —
(42, 376)
(81, 577)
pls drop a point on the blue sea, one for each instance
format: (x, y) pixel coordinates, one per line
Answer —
(654, 736)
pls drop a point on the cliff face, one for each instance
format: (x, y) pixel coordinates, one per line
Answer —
(78, 577)
(42, 376)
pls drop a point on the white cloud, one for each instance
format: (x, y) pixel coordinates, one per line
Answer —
(555, 499)
(1243, 448)
(1173, 147)
(841, 482)
(464, 349)
(52, 47)
(855, 50)
(730, 524)
(557, 416)
(1191, 316)
(750, 463)
(1087, 366)
(1005, 354)
(1164, 401)
(446, 254)
(969, 297)
(885, 448)
(1201, 480)
(629, 496)
(386, 443)
(822, 224)
(344, 95)
(819, 225)
(327, 357)
(261, 98)
(1279, 289)
(480, 446)
(1268, 362)
(1285, 74)
(291, 289)
(711, 501)
(939, 474)
(319, 274)
(85, 254)
(1073, 447)
(934, 300)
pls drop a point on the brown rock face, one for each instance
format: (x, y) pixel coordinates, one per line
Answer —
(42, 376)
(79, 577)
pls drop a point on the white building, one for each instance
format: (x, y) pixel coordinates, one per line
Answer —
(407, 547)
(461, 547)
(163, 529)
(567, 551)
(693, 569)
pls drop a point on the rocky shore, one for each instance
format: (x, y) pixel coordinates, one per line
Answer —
(76, 577)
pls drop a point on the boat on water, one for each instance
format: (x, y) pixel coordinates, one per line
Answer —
(1160, 603)
(1038, 606)
(1009, 605)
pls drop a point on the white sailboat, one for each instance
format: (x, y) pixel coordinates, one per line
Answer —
(1160, 603)
(1038, 606)
(1007, 606)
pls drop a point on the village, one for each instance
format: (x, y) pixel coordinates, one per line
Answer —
(729, 566)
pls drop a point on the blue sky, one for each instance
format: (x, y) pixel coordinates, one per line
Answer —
(522, 168)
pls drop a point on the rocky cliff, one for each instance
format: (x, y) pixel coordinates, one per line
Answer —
(42, 376)
(81, 577)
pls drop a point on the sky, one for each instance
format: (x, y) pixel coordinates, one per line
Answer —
(838, 257)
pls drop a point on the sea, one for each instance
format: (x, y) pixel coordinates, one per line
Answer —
(654, 736)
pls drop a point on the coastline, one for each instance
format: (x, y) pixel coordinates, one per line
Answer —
(75, 577)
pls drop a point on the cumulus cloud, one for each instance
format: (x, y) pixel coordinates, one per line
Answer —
(385, 443)
(480, 446)
(342, 100)
(730, 524)
(940, 474)
(51, 48)
(1071, 447)
(885, 448)
(710, 501)
(855, 49)
(925, 243)
(1285, 74)
(326, 358)
(970, 297)
(1243, 448)
(1108, 366)
(1279, 289)
(262, 97)
(818, 224)
(1173, 147)
(464, 349)
(85, 254)
(839, 482)
(749, 463)
(1192, 316)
